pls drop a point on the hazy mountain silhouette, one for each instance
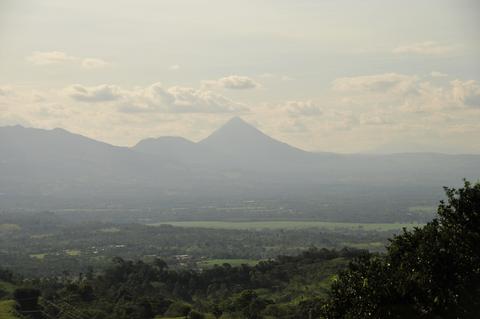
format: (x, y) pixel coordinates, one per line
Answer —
(56, 161)
(235, 145)
(245, 142)
(235, 160)
(168, 147)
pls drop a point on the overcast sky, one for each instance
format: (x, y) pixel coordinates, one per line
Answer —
(342, 76)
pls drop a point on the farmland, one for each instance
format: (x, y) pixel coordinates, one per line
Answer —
(294, 225)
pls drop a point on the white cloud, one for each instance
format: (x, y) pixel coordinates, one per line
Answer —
(156, 98)
(93, 63)
(43, 58)
(101, 93)
(49, 57)
(303, 108)
(378, 83)
(232, 82)
(5, 90)
(424, 48)
(407, 93)
(176, 99)
(174, 67)
(466, 93)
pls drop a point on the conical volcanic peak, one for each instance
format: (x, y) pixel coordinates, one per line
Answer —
(235, 130)
(245, 141)
(237, 123)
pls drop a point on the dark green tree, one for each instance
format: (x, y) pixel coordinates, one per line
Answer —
(429, 272)
(27, 302)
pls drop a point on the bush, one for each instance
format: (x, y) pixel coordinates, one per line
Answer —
(178, 309)
(195, 315)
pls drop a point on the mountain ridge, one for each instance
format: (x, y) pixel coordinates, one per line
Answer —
(204, 140)
(57, 168)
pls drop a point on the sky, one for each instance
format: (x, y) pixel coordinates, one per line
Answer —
(340, 76)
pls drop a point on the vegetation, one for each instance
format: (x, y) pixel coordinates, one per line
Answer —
(426, 272)
(7, 309)
(52, 246)
(135, 289)
(261, 225)
(430, 272)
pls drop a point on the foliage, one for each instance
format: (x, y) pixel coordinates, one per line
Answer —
(140, 290)
(429, 272)
(50, 247)
(7, 309)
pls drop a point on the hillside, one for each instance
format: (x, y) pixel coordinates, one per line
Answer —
(56, 169)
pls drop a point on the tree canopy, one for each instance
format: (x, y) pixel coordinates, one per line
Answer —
(428, 272)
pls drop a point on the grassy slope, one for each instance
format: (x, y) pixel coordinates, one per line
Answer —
(6, 309)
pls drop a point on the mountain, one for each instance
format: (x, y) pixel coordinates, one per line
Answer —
(245, 142)
(49, 162)
(167, 147)
(237, 162)
(236, 146)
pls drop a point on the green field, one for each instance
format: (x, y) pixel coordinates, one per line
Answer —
(73, 252)
(6, 309)
(288, 225)
(38, 256)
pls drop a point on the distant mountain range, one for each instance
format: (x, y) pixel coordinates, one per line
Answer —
(58, 169)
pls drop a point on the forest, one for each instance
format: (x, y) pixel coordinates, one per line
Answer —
(431, 271)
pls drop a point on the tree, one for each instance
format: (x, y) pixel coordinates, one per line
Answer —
(429, 272)
(27, 301)
(195, 315)
(249, 304)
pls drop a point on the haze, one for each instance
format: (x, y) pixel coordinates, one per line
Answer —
(337, 76)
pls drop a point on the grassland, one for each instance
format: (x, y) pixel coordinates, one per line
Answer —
(38, 256)
(288, 225)
(6, 309)
(73, 252)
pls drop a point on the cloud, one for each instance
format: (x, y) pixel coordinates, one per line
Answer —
(174, 67)
(408, 93)
(466, 93)
(303, 108)
(342, 120)
(424, 48)
(93, 63)
(232, 82)
(5, 90)
(176, 99)
(43, 58)
(50, 57)
(101, 93)
(156, 99)
(379, 83)
(369, 119)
